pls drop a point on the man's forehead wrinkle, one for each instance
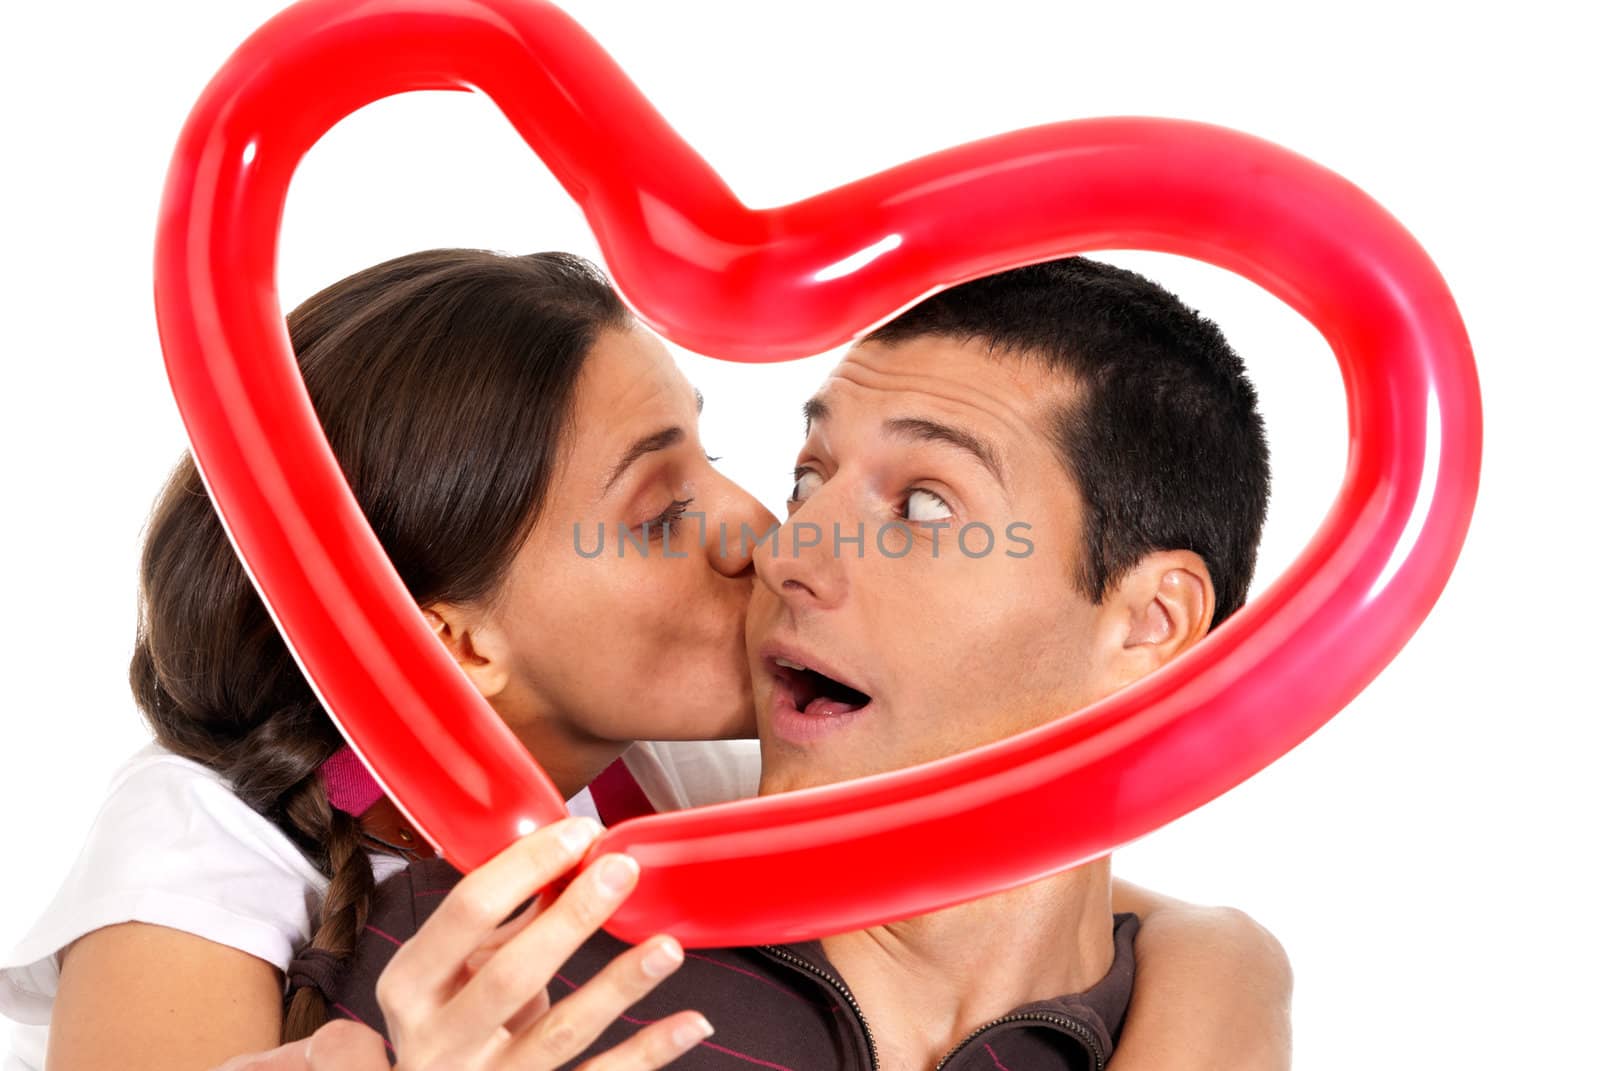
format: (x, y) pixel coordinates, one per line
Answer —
(1031, 367)
(1012, 411)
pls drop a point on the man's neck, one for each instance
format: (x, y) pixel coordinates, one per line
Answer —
(926, 983)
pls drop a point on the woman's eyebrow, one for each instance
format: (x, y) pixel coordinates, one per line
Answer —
(649, 444)
(920, 429)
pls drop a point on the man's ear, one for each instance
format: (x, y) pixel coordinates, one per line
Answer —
(1159, 609)
(476, 643)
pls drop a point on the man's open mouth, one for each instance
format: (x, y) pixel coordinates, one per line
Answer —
(815, 693)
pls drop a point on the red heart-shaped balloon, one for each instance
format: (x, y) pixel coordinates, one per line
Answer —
(771, 285)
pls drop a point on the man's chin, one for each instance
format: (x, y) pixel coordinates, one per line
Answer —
(786, 768)
(783, 770)
(777, 771)
(779, 786)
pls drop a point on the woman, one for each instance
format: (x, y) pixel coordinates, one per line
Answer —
(481, 407)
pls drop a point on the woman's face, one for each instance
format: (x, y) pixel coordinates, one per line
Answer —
(618, 620)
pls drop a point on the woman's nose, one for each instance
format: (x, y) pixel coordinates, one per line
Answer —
(735, 530)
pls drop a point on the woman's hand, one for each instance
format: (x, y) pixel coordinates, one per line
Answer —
(339, 1046)
(468, 992)
(1211, 989)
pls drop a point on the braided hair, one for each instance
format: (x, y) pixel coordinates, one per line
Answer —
(444, 381)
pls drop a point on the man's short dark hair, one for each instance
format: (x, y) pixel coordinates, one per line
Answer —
(1163, 438)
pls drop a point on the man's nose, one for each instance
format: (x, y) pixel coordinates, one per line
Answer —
(800, 564)
(732, 528)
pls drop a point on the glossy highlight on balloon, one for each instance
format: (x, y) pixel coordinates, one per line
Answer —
(775, 284)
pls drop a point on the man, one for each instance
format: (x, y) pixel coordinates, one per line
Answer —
(1070, 401)
(1106, 440)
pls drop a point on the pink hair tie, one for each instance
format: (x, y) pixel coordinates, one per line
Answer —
(350, 787)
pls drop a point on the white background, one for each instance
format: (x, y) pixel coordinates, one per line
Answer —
(1427, 858)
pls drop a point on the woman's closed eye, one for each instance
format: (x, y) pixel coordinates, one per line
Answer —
(667, 520)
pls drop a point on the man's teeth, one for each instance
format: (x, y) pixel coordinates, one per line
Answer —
(786, 664)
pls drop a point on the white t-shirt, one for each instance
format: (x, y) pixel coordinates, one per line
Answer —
(173, 846)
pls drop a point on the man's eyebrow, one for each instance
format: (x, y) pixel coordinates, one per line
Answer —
(649, 444)
(815, 410)
(923, 430)
(699, 401)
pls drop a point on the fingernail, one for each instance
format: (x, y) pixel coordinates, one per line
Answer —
(578, 834)
(616, 874)
(663, 959)
(692, 1033)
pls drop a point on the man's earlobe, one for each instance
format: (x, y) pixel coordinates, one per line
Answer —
(474, 643)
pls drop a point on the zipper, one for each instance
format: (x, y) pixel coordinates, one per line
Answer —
(1076, 1029)
(838, 986)
(1070, 1026)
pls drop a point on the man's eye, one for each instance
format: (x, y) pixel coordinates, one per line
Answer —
(925, 507)
(805, 482)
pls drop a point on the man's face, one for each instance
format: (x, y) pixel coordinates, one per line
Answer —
(914, 657)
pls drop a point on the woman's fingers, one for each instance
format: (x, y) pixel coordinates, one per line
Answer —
(291, 1057)
(342, 1045)
(655, 1046)
(491, 944)
(421, 973)
(472, 986)
(513, 976)
(509, 929)
(541, 1000)
(574, 1022)
(530, 1011)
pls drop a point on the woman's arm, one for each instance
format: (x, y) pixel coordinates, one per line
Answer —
(136, 996)
(1211, 989)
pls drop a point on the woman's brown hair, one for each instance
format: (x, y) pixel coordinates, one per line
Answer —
(444, 381)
